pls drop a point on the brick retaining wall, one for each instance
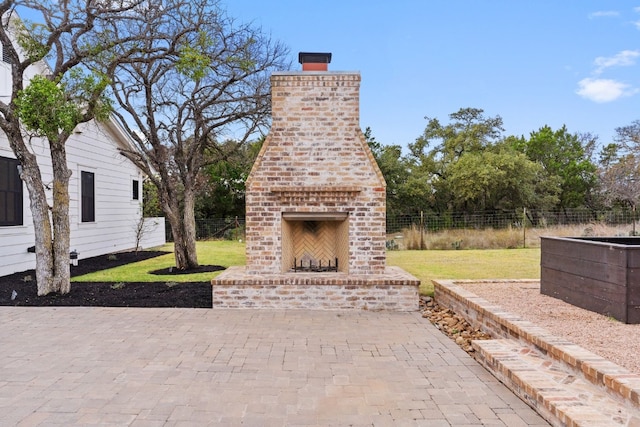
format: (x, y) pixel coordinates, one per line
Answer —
(499, 323)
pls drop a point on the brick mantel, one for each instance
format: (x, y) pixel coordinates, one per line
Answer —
(309, 194)
(317, 189)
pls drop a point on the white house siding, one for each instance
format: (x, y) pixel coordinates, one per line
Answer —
(154, 233)
(15, 240)
(116, 212)
(93, 149)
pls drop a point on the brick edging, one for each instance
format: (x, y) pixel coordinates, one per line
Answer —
(497, 322)
(396, 290)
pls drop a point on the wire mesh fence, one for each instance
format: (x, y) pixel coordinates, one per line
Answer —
(233, 228)
(214, 228)
(434, 221)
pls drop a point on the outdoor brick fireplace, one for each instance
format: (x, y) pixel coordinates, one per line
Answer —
(316, 214)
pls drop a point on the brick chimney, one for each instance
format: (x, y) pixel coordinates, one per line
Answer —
(314, 61)
(315, 191)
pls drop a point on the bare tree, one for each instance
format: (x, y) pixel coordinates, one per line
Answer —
(620, 183)
(210, 76)
(620, 174)
(628, 138)
(65, 39)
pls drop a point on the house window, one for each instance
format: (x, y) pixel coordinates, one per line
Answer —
(136, 189)
(10, 193)
(5, 53)
(88, 196)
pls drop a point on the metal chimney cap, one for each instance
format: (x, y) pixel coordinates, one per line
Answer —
(314, 57)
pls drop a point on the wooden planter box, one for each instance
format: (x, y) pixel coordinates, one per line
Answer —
(600, 274)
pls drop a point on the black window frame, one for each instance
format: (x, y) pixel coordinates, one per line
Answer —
(135, 189)
(88, 196)
(11, 209)
(5, 54)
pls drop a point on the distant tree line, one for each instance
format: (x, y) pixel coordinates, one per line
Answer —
(466, 166)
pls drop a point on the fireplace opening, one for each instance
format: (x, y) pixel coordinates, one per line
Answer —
(315, 242)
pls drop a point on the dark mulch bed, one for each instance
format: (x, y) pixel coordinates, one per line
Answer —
(107, 294)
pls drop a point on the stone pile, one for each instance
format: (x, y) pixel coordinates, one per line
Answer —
(452, 324)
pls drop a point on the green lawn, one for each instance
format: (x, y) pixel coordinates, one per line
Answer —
(425, 265)
(467, 264)
(223, 252)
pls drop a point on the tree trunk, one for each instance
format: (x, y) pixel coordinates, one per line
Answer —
(180, 252)
(189, 224)
(184, 247)
(177, 232)
(39, 207)
(181, 219)
(60, 219)
(41, 222)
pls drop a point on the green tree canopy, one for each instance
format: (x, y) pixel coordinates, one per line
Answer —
(566, 156)
(403, 196)
(222, 191)
(434, 153)
(499, 178)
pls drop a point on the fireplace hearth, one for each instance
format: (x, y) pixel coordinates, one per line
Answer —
(316, 211)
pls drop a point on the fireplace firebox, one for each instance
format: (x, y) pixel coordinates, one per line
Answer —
(314, 242)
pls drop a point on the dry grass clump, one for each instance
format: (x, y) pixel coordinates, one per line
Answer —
(410, 238)
(506, 238)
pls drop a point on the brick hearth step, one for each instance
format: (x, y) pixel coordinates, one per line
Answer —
(559, 394)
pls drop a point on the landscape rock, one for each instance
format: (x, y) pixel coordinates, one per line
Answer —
(452, 324)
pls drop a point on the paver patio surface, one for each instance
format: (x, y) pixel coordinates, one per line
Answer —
(191, 367)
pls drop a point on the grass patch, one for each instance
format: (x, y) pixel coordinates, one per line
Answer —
(425, 265)
(467, 264)
(224, 252)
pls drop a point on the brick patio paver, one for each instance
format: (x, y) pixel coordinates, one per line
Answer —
(172, 367)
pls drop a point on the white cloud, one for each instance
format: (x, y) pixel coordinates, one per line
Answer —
(603, 90)
(603, 13)
(621, 59)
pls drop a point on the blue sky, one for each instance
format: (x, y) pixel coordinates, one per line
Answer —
(534, 63)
